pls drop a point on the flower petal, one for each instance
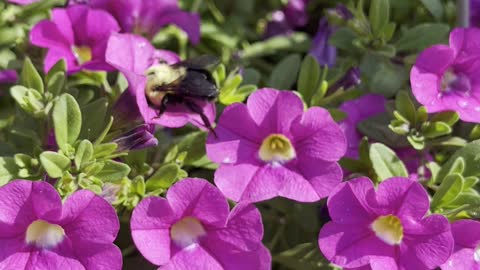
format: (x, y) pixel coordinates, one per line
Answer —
(192, 258)
(197, 198)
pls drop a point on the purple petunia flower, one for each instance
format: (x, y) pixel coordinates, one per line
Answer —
(475, 13)
(358, 110)
(466, 254)
(38, 232)
(8, 76)
(137, 55)
(272, 147)
(284, 21)
(149, 16)
(325, 53)
(386, 227)
(193, 229)
(448, 78)
(140, 137)
(77, 34)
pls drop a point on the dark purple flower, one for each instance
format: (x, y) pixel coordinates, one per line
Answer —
(38, 231)
(340, 11)
(149, 16)
(76, 34)
(447, 78)
(8, 76)
(284, 21)
(133, 55)
(140, 137)
(387, 227)
(351, 78)
(271, 147)
(325, 53)
(193, 228)
(475, 13)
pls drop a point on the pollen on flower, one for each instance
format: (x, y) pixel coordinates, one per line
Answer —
(82, 54)
(43, 234)
(276, 148)
(187, 231)
(389, 229)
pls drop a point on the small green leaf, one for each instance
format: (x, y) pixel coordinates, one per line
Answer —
(104, 149)
(56, 83)
(60, 66)
(54, 163)
(84, 153)
(93, 117)
(309, 77)
(30, 77)
(385, 162)
(470, 182)
(113, 171)
(449, 190)
(435, 7)
(284, 74)
(379, 15)
(164, 177)
(67, 120)
(422, 36)
(405, 107)
(449, 117)
(8, 170)
(437, 129)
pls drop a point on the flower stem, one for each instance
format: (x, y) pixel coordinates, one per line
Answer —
(463, 13)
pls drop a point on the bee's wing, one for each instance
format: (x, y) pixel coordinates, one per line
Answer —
(204, 62)
(197, 84)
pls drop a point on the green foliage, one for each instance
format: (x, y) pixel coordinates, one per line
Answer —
(67, 121)
(385, 162)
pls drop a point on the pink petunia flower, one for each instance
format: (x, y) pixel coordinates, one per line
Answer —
(38, 232)
(8, 76)
(466, 254)
(448, 77)
(76, 34)
(149, 16)
(193, 229)
(285, 20)
(23, 2)
(133, 55)
(387, 227)
(272, 147)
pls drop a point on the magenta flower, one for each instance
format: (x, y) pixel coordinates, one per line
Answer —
(272, 147)
(386, 227)
(466, 254)
(193, 229)
(8, 76)
(358, 110)
(448, 78)
(78, 35)
(38, 232)
(136, 56)
(325, 53)
(475, 13)
(149, 16)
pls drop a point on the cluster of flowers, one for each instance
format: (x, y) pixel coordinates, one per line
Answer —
(292, 153)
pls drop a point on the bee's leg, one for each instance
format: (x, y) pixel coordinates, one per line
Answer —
(197, 109)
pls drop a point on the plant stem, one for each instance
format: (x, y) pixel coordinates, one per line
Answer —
(463, 13)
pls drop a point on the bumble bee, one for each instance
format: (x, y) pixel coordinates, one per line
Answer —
(182, 83)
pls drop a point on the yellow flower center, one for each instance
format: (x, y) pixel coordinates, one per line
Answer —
(82, 54)
(43, 234)
(187, 231)
(389, 229)
(276, 148)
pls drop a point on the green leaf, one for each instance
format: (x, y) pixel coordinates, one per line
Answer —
(309, 77)
(422, 36)
(67, 120)
(376, 128)
(405, 107)
(113, 171)
(435, 7)
(304, 256)
(54, 163)
(436, 129)
(297, 42)
(284, 74)
(385, 162)
(104, 149)
(84, 153)
(470, 182)
(60, 66)
(379, 15)
(30, 77)
(8, 170)
(449, 190)
(163, 178)
(93, 118)
(56, 83)
(449, 117)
